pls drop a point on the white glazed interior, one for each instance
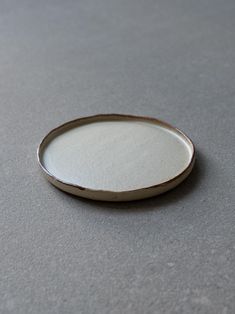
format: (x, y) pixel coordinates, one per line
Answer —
(117, 155)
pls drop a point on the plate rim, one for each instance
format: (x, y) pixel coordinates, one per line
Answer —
(105, 117)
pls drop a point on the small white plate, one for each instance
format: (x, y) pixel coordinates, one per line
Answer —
(115, 157)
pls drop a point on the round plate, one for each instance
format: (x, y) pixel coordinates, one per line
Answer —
(115, 157)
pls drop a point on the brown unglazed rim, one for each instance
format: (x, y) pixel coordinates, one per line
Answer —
(107, 195)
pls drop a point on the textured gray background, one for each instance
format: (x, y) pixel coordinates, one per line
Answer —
(171, 59)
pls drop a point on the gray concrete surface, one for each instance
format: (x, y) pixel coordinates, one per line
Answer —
(171, 59)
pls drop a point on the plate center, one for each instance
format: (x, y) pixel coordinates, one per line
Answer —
(117, 155)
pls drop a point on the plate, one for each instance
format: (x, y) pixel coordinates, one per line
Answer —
(113, 157)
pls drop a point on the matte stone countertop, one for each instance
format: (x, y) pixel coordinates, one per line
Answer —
(170, 59)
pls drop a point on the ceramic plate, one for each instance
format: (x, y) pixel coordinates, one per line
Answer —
(116, 157)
